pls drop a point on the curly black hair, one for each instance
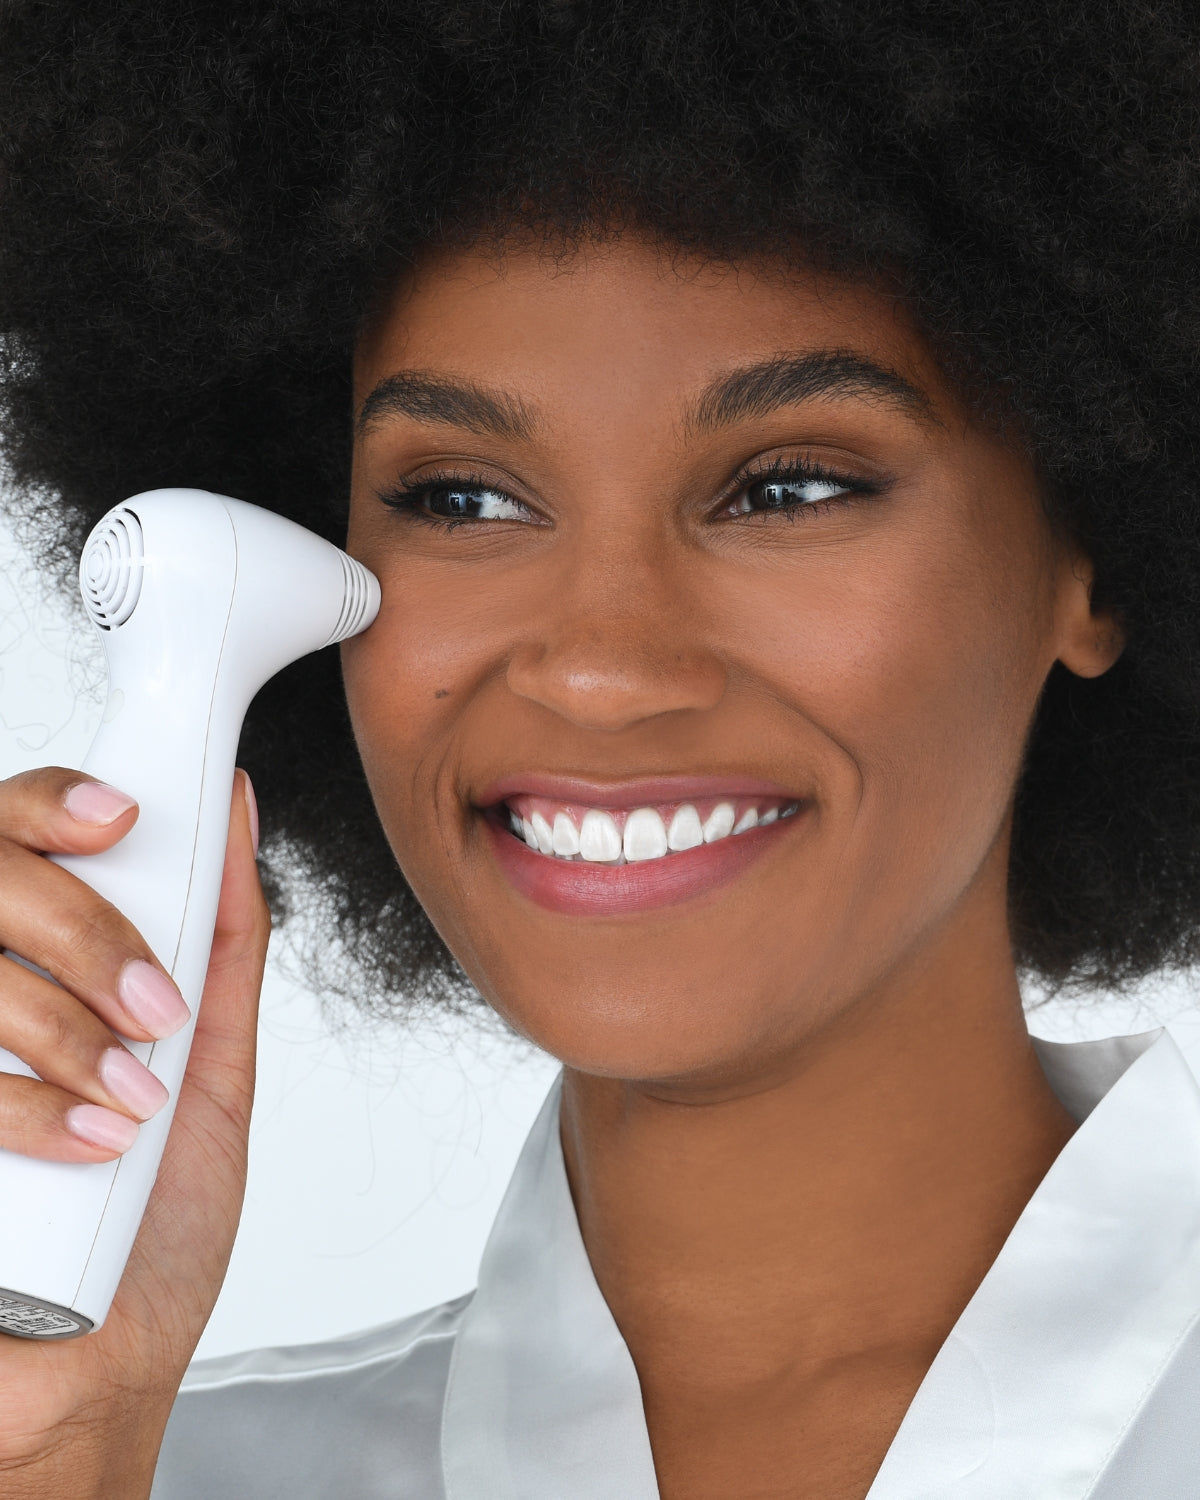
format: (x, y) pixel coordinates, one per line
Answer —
(199, 201)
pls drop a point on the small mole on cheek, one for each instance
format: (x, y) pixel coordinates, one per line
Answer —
(442, 693)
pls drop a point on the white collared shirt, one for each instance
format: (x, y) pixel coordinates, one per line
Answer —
(1072, 1374)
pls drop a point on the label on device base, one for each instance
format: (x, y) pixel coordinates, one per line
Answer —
(30, 1319)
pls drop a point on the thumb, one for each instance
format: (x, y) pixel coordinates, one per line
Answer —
(222, 1057)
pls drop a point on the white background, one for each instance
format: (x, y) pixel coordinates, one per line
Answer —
(378, 1156)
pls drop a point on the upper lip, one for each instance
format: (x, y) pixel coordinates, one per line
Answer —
(645, 791)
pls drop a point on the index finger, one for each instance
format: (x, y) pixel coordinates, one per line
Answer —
(54, 810)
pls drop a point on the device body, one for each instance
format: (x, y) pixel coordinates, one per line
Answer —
(198, 599)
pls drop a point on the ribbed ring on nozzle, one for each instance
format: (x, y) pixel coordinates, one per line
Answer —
(110, 569)
(358, 600)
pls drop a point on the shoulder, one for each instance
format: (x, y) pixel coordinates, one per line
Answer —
(358, 1415)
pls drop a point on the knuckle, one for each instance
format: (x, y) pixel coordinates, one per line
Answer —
(260, 929)
(30, 803)
(26, 1120)
(49, 1033)
(248, 929)
(52, 778)
(45, 786)
(262, 921)
(85, 935)
(45, 1026)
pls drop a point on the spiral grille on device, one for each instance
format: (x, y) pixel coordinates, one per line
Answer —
(110, 570)
(355, 602)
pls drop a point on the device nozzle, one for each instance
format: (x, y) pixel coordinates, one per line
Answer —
(360, 604)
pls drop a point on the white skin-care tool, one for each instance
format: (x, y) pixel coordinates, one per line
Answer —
(198, 600)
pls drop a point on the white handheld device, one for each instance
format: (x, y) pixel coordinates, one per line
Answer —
(198, 599)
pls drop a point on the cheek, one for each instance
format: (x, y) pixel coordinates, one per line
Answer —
(413, 681)
(919, 668)
(403, 679)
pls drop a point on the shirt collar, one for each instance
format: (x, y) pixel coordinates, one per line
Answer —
(1042, 1373)
(1087, 1300)
(543, 1398)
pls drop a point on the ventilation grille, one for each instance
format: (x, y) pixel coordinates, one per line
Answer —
(110, 570)
(357, 600)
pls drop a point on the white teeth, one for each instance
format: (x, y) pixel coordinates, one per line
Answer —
(566, 836)
(599, 838)
(719, 823)
(543, 833)
(685, 831)
(645, 836)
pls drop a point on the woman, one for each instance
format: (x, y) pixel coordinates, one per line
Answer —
(773, 430)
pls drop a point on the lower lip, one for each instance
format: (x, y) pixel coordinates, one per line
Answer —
(578, 888)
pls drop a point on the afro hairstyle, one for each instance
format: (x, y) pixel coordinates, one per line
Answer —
(198, 203)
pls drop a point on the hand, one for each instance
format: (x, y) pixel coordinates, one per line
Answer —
(84, 1419)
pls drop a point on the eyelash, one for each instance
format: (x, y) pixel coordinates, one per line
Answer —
(406, 496)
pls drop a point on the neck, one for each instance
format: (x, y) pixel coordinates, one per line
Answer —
(845, 1212)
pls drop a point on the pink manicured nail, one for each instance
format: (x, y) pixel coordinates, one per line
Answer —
(151, 998)
(101, 1127)
(131, 1084)
(96, 802)
(251, 812)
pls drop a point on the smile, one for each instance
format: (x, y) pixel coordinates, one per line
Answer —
(618, 836)
(580, 848)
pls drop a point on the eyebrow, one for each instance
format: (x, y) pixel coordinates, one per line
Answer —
(787, 380)
(754, 391)
(452, 403)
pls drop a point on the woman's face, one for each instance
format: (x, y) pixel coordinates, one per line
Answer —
(666, 547)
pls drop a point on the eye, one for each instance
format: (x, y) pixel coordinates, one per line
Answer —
(465, 503)
(453, 501)
(791, 486)
(784, 494)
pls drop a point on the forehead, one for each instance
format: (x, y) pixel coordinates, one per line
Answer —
(650, 326)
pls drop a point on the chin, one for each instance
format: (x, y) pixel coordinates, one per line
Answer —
(663, 1040)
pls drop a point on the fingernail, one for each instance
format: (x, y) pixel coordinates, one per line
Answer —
(101, 1127)
(131, 1084)
(150, 998)
(251, 811)
(96, 802)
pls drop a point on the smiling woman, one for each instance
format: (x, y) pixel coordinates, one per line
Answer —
(637, 509)
(786, 521)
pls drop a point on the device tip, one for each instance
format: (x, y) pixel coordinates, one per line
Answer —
(360, 603)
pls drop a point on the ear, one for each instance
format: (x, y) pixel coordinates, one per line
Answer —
(1089, 639)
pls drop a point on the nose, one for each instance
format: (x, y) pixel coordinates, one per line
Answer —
(617, 645)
